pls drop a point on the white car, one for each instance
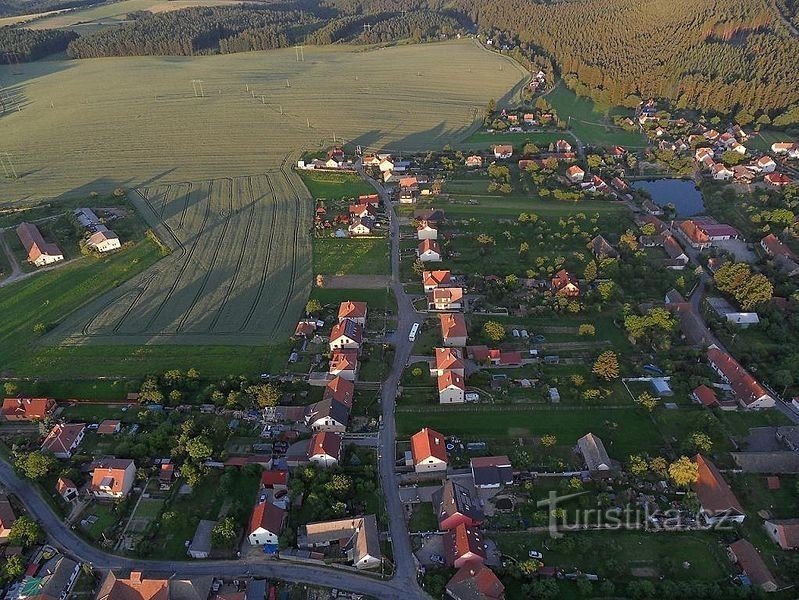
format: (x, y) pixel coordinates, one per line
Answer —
(535, 554)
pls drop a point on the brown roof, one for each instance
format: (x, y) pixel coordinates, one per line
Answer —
(562, 279)
(436, 278)
(352, 310)
(453, 325)
(672, 246)
(449, 294)
(574, 170)
(428, 244)
(713, 493)
(272, 478)
(34, 243)
(475, 581)
(326, 443)
(7, 516)
(744, 386)
(61, 437)
(428, 443)
(63, 484)
(450, 378)
(751, 563)
(28, 408)
(448, 359)
(777, 179)
(774, 247)
(693, 233)
(706, 395)
(787, 532)
(108, 427)
(134, 587)
(340, 390)
(348, 328)
(268, 516)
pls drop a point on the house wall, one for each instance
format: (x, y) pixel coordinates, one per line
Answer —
(368, 562)
(451, 395)
(716, 519)
(429, 256)
(349, 375)
(328, 425)
(427, 234)
(323, 460)
(429, 465)
(261, 537)
(46, 259)
(344, 342)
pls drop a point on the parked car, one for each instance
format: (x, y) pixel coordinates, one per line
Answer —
(535, 554)
(437, 558)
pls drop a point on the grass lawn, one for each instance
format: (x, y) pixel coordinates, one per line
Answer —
(624, 431)
(105, 519)
(612, 554)
(423, 518)
(738, 423)
(331, 186)
(675, 425)
(94, 413)
(762, 141)
(149, 509)
(380, 299)
(348, 256)
(80, 389)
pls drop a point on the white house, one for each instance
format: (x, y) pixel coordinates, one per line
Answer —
(451, 388)
(429, 452)
(426, 231)
(575, 174)
(766, 164)
(63, 440)
(429, 251)
(266, 524)
(112, 479)
(720, 172)
(324, 449)
(346, 334)
(103, 240)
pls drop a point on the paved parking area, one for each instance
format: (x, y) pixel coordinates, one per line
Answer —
(434, 544)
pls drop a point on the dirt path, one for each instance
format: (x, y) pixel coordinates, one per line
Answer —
(12, 260)
(365, 282)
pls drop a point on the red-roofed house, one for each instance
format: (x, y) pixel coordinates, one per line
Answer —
(354, 311)
(695, 236)
(112, 479)
(447, 298)
(563, 146)
(429, 452)
(766, 164)
(324, 449)
(502, 151)
(705, 396)
(453, 329)
(67, 489)
(575, 174)
(448, 360)
(717, 502)
(455, 506)
(39, 252)
(63, 440)
(27, 409)
(784, 532)
(464, 545)
(429, 251)
(772, 246)
(346, 334)
(565, 284)
(266, 524)
(777, 179)
(451, 388)
(474, 161)
(752, 565)
(475, 581)
(275, 480)
(344, 363)
(341, 390)
(433, 279)
(747, 391)
(7, 518)
(109, 427)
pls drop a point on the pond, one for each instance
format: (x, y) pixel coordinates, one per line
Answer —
(682, 193)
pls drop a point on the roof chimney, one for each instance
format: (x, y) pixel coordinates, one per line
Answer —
(135, 577)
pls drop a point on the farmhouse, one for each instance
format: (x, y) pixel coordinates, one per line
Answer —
(354, 311)
(766, 164)
(445, 298)
(434, 279)
(324, 449)
(327, 415)
(428, 451)
(601, 248)
(489, 472)
(340, 390)
(752, 565)
(784, 532)
(453, 329)
(361, 226)
(103, 240)
(563, 146)
(63, 440)
(429, 251)
(789, 148)
(717, 502)
(448, 360)
(503, 151)
(594, 454)
(112, 478)
(456, 506)
(266, 524)
(475, 581)
(474, 161)
(777, 179)
(746, 390)
(463, 545)
(565, 284)
(358, 537)
(346, 334)
(701, 233)
(575, 174)
(451, 388)
(344, 364)
(40, 253)
(426, 231)
(66, 488)
(27, 409)
(7, 518)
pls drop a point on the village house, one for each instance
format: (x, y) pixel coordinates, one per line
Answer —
(701, 233)
(428, 451)
(563, 146)
(112, 479)
(445, 298)
(266, 524)
(772, 246)
(340, 390)
(353, 311)
(426, 231)
(408, 195)
(66, 488)
(27, 409)
(705, 396)
(752, 565)
(455, 506)
(306, 327)
(63, 440)
(503, 151)
(51, 578)
(435, 279)
(743, 174)
(494, 356)
(619, 184)
(491, 472)
(766, 164)
(675, 253)
(784, 532)
(324, 449)
(448, 360)
(701, 153)
(429, 251)
(777, 179)
(602, 249)
(594, 454)
(474, 161)
(344, 364)
(651, 207)
(361, 210)
(475, 581)
(565, 284)
(575, 174)
(327, 415)
(464, 545)
(789, 148)
(109, 427)
(451, 388)
(721, 172)
(717, 502)
(277, 480)
(346, 334)
(432, 215)
(747, 391)
(357, 537)
(103, 240)
(138, 587)
(39, 252)
(453, 329)
(361, 226)
(7, 518)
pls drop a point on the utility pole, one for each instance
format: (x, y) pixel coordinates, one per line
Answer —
(197, 86)
(288, 85)
(11, 166)
(367, 27)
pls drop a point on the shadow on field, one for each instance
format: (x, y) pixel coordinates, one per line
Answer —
(13, 78)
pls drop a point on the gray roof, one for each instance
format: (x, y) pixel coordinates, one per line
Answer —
(202, 537)
(56, 574)
(196, 588)
(789, 434)
(492, 470)
(594, 453)
(453, 498)
(783, 462)
(256, 589)
(327, 409)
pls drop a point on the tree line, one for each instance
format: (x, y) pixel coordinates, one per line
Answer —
(23, 45)
(13, 8)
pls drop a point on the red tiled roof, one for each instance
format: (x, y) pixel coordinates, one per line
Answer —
(436, 278)
(62, 437)
(272, 478)
(429, 245)
(114, 469)
(345, 359)
(563, 278)
(774, 247)
(34, 243)
(352, 310)
(693, 233)
(777, 179)
(706, 395)
(325, 443)
(447, 294)
(108, 427)
(453, 325)
(63, 484)
(475, 581)
(787, 532)
(450, 378)
(28, 408)
(348, 328)
(478, 353)
(773, 482)
(672, 247)
(428, 443)
(448, 359)
(268, 516)
(751, 563)
(744, 386)
(135, 587)
(341, 390)
(461, 541)
(713, 493)
(574, 170)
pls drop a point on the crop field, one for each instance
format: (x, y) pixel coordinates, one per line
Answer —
(240, 270)
(72, 127)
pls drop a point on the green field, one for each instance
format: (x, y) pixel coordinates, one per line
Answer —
(335, 185)
(351, 256)
(762, 141)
